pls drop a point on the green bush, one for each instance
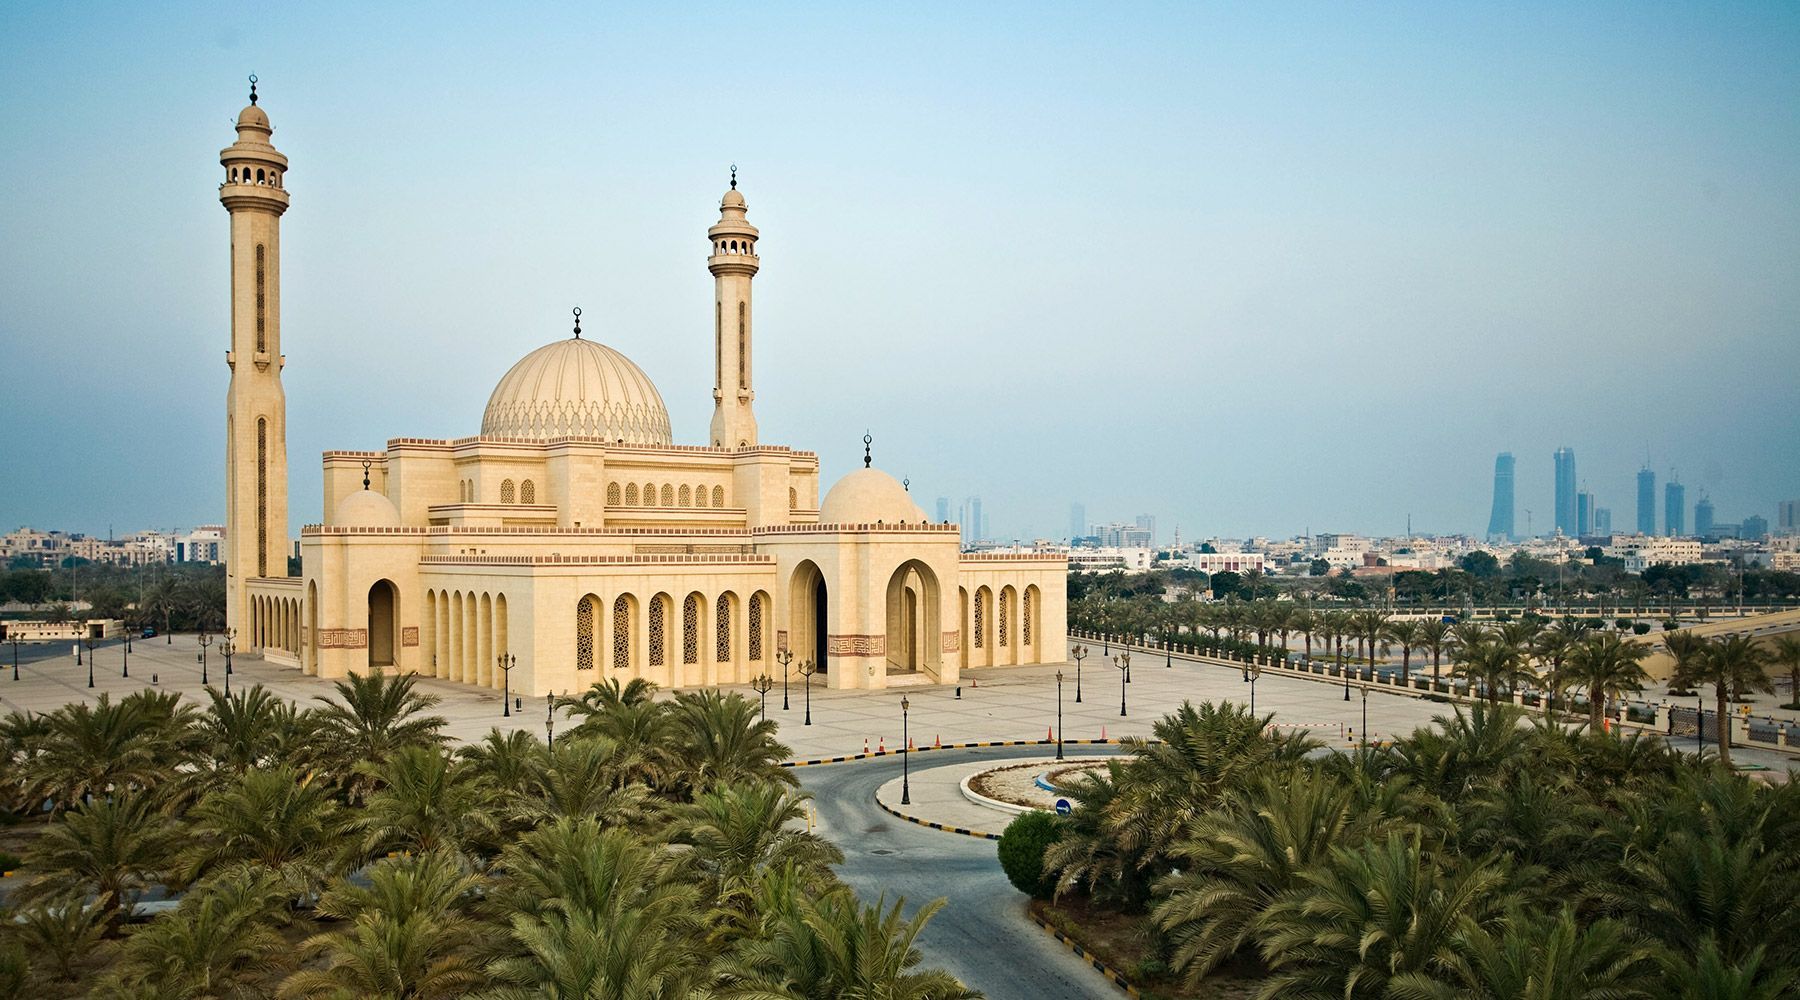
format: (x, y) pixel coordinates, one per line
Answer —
(9, 862)
(1022, 847)
(1641, 628)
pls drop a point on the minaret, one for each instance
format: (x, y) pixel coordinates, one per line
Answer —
(256, 542)
(733, 263)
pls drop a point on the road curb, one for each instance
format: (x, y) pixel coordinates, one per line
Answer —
(965, 831)
(950, 746)
(1108, 971)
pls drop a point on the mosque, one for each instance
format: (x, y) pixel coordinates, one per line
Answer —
(573, 541)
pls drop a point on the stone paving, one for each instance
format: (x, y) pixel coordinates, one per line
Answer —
(995, 703)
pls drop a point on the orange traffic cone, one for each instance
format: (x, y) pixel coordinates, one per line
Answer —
(937, 742)
(865, 744)
(881, 747)
(1103, 734)
(909, 745)
(974, 682)
(1049, 734)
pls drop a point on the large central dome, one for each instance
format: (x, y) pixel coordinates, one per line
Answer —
(577, 388)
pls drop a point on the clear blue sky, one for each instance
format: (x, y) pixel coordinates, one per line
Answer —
(1251, 268)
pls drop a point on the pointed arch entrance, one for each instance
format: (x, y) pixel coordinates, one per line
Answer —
(808, 620)
(913, 628)
(384, 617)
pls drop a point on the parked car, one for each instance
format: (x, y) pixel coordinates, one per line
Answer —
(149, 633)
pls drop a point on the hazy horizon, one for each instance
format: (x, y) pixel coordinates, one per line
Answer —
(1254, 271)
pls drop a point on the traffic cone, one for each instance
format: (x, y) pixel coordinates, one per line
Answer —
(909, 745)
(937, 742)
(974, 682)
(882, 746)
(1103, 734)
(865, 744)
(1049, 734)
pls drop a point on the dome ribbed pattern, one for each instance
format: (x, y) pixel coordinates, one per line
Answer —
(577, 388)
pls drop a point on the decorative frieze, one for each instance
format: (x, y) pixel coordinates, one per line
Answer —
(856, 645)
(409, 635)
(343, 638)
(952, 641)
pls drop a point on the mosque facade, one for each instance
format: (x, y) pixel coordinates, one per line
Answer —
(573, 541)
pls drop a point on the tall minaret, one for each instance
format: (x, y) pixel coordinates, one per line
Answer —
(256, 542)
(733, 263)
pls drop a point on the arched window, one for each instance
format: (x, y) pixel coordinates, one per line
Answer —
(528, 492)
(980, 617)
(649, 494)
(690, 629)
(622, 633)
(1005, 609)
(631, 495)
(718, 498)
(793, 498)
(668, 495)
(722, 630)
(699, 496)
(262, 342)
(756, 628)
(687, 496)
(506, 491)
(658, 630)
(1025, 616)
(259, 176)
(584, 634)
(262, 498)
(612, 494)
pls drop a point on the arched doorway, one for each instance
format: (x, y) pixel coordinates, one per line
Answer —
(913, 602)
(808, 620)
(309, 642)
(384, 616)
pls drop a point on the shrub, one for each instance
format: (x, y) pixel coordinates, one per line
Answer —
(1022, 848)
(1641, 628)
(9, 862)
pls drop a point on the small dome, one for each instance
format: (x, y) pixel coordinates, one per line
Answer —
(366, 509)
(577, 388)
(732, 199)
(253, 117)
(866, 496)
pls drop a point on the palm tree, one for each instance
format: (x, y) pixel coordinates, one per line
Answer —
(1551, 647)
(111, 848)
(65, 930)
(84, 751)
(1433, 637)
(585, 776)
(1536, 956)
(427, 801)
(722, 740)
(1371, 918)
(411, 938)
(221, 941)
(1239, 859)
(1304, 622)
(272, 819)
(1607, 666)
(1732, 665)
(1405, 634)
(379, 713)
(1785, 653)
(740, 831)
(244, 730)
(833, 946)
(1370, 626)
(506, 761)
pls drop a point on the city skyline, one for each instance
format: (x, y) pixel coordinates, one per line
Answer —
(1535, 231)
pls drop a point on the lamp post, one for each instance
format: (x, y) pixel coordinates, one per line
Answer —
(550, 720)
(1079, 653)
(15, 645)
(1123, 663)
(205, 641)
(1365, 717)
(1255, 672)
(505, 662)
(1059, 735)
(761, 684)
(1346, 672)
(125, 669)
(905, 746)
(90, 642)
(807, 669)
(785, 657)
(228, 647)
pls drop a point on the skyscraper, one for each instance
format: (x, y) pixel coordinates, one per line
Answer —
(1500, 522)
(1565, 491)
(1077, 520)
(973, 530)
(1646, 524)
(1703, 516)
(1602, 520)
(1584, 514)
(1147, 522)
(1787, 516)
(1674, 508)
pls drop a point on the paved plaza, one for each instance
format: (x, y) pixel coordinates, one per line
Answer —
(994, 704)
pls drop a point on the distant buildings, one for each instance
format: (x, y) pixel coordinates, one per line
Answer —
(53, 548)
(1703, 516)
(1077, 521)
(1500, 522)
(1787, 517)
(1602, 520)
(1119, 535)
(1646, 507)
(1755, 527)
(1584, 514)
(1674, 508)
(1147, 523)
(1565, 492)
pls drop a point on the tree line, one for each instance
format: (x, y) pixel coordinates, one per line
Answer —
(344, 850)
(185, 597)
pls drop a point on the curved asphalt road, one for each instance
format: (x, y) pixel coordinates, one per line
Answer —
(982, 935)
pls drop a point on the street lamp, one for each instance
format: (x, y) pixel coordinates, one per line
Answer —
(15, 645)
(90, 642)
(1079, 653)
(1255, 672)
(228, 647)
(785, 657)
(550, 720)
(1346, 671)
(125, 670)
(1059, 735)
(807, 669)
(1365, 717)
(506, 662)
(905, 765)
(205, 641)
(761, 684)
(1123, 663)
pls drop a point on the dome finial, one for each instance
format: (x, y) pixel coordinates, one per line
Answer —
(366, 464)
(253, 88)
(867, 440)
(734, 177)
(577, 322)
